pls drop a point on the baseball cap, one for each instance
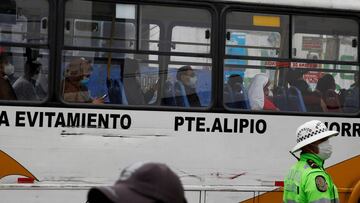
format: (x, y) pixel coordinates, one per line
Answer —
(142, 183)
(311, 132)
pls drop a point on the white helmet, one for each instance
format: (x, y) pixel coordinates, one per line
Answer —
(310, 132)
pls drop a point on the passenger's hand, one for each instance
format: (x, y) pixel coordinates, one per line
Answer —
(99, 100)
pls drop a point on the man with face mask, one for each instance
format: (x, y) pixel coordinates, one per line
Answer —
(187, 77)
(24, 87)
(307, 180)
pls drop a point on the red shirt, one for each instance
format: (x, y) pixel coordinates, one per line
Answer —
(269, 105)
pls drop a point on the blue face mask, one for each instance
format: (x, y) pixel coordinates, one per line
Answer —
(84, 82)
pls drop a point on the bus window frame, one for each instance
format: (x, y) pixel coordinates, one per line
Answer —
(51, 47)
(281, 10)
(212, 55)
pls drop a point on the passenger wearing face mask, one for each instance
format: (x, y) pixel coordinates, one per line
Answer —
(9, 71)
(307, 180)
(187, 77)
(6, 90)
(75, 84)
(24, 86)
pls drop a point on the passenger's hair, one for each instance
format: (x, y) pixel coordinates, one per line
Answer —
(235, 78)
(3, 57)
(181, 71)
(326, 82)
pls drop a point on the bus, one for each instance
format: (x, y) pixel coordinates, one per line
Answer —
(92, 86)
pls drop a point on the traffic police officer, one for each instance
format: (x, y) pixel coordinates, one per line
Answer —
(307, 181)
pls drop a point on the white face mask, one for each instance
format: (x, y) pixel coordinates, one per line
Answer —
(325, 150)
(9, 69)
(35, 77)
(192, 82)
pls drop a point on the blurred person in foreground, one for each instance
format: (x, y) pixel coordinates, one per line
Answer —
(141, 183)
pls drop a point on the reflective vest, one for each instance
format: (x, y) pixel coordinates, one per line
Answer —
(307, 182)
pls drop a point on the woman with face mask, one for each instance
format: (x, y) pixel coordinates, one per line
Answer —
(307, 180)
(75, 84)
(259, 93)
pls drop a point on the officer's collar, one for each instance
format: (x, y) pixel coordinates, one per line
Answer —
(313, 157)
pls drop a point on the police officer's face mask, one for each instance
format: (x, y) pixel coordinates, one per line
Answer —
(325, 150)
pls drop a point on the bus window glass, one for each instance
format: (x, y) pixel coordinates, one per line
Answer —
(252, 34)
(24, 21)
(24, 74)
(98, 24)
(149, 37)
(134, 79)
(322, 38)
(190, 29)
(291, 86)
(198, 43)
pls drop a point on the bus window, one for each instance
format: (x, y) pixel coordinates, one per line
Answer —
(135, 80)
(99, 24)
(21, 21)
(24, 74)
(190, 28)
(252, 34)
(323, 38)
(149, 36)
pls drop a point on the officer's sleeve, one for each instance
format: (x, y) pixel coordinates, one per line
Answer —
(316, 188)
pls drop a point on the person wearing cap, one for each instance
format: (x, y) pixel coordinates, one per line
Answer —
(24, 86)
(141, 183)
(76, 80)
(307, 181)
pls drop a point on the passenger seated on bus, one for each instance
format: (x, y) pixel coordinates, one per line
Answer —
(259, 94)
(132, 84)
(9, 71)
(238, 95)
(325, 85)
(75, 83)
(6, 90)
(311, 99)
(351, 96)
(186, 76)
(24, 86)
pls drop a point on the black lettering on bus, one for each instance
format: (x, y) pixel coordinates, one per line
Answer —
(179, 121)
(4, 119)
(49, 115)
(226, 128)
(260, 126)
(345, 129)
(356, 130)
(41, 121)
(60, 120)
(235, 125)
(190, 120)
(73, 119)
(103, 121)
(334, 126)
(32, 119)
(91, 120)
(200, 124)
(244, 123)
(125, 121)
(216, 126)
(20, 116)
(83, 120)
(114, 117)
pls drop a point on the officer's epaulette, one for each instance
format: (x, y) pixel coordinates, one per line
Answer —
(312, 164)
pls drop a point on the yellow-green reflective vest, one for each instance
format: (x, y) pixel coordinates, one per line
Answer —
(307, 182)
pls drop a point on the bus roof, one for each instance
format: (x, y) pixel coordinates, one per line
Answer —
(326, 4)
